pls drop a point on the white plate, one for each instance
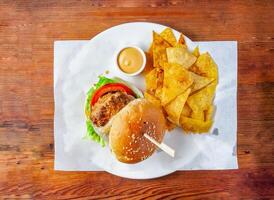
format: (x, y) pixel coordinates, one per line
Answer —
(97, 56)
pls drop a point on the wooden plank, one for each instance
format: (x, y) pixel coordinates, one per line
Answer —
(27, 32)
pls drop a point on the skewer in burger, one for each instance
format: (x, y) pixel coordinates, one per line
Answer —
(117, 114)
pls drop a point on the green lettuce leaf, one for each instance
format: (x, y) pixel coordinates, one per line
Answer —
(91, 133)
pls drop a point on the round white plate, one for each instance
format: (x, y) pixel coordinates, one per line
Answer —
(97, 56)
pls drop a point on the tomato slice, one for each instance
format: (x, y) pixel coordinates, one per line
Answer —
(111, 87)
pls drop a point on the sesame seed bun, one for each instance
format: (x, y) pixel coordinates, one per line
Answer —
(126, 137)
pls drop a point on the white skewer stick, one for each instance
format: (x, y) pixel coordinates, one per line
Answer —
(162, 146)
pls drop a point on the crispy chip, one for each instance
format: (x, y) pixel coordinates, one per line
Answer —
(160, 79)
(201, 100)
(154, 82)
(158, 92)
(181, 39)
(151, 80)
(194, 125)
(199, 82)
(176, 81)
(159, 50)
(178, 45)
(152, 99)
(150, 50)
(175, 107)
(186, 96)
(205, 66)
(170, 126)
(149, 64)
(196, 52)
(168, 35)
(209, 112)
(186, 111)
(180, 56)
(200, 115)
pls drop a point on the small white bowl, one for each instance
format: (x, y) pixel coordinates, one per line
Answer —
(141, 68)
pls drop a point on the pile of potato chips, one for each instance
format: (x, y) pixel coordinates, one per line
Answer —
(183, 83)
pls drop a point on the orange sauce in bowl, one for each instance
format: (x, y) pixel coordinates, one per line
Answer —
(130, 60)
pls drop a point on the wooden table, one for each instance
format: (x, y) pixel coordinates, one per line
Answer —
(27, 32)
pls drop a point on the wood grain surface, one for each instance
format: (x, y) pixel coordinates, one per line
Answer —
(27, 32)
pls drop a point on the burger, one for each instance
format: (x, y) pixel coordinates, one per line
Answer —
(103, 100)
(118, 115)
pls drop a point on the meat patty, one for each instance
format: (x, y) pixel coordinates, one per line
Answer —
(107, 106)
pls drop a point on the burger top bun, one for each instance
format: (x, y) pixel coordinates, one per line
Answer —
(126, 137)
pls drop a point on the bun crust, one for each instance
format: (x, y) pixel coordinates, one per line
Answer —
(126, 138)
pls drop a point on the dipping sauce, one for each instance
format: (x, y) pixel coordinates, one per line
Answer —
(130, 60)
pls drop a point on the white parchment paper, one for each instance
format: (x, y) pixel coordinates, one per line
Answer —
(77, 65)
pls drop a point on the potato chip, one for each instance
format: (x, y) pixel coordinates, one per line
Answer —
(183, 83)
(158, 92)
(150, 50)
(181, 39)
(151, 80)
(160, 79)
(205, 66)
(170, 126)
(194, 125)
(180, 56)
(199, 82)
(201, 100)
(175, 107)
(200, 115)
(176, 81)
(186, 111)
(154, 82)
(159, 50)
(196, 52)
(152, 99)
(209, 112)
(149, 64)
(168, 35)
(178, 45)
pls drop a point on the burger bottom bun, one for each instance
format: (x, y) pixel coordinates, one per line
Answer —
(126, 137)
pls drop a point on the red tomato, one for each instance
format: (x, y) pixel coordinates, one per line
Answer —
(111, 87)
